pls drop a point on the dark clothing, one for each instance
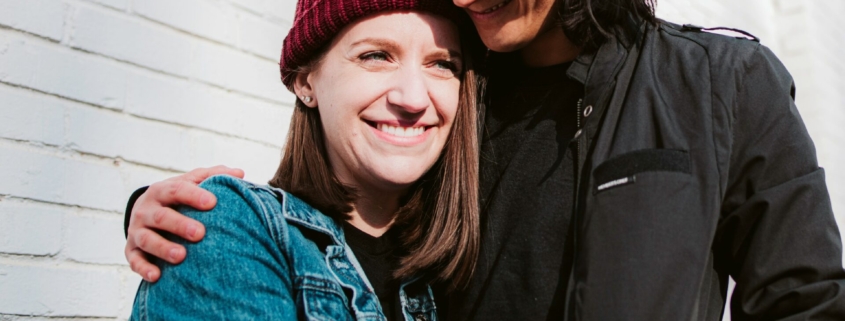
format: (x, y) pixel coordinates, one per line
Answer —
(131, 203)
(378, 259)
(693, 166)
(527, 189)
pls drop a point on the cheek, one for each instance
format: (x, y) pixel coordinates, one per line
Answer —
(446, 98)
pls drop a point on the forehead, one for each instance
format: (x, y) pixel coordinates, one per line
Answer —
(406, 28)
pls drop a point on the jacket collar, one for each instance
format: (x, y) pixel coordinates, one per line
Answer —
(298, 212)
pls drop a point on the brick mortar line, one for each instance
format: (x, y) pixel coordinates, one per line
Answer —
(58, 262)
(246, 10)
(123, 111)
(98, 212)
(132, 13)
(41, 317)
(149, 69)
(68, 153)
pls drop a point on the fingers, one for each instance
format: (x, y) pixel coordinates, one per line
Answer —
(169, 220)
(139, 264)
(200, 174)
(151, 242)
(181, 192)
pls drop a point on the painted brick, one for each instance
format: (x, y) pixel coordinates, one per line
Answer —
(261, 78)
(94, 238)
(56, 290)
(42, 17)
(29, 228)
(259, 7)
(34, 63)
(208, 19)
(31, 117)
(131, 39)
(240, 71)
(117, 4)
(258, 161)
(129, 286)
(195, 105)
(30, 172)
(110, 134)
(262, 37)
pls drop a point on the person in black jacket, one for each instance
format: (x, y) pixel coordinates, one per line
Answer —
(629, 167)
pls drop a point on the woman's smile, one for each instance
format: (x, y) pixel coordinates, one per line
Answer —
(395, 133)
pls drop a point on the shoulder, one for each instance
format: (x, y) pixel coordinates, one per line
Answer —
(274, 206)
(233, 193)
(727, 50)
(717, 40)
(729, 55)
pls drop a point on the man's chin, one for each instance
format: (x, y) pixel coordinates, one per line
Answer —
(502, 44)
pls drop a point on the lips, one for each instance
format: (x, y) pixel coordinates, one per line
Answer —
(491, 9)
(400, 134)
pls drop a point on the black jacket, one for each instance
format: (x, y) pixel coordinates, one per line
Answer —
(694, 165)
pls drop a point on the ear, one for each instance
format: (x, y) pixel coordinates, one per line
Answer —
(304, 90)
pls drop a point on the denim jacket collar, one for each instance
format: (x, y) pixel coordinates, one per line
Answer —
(299, 212)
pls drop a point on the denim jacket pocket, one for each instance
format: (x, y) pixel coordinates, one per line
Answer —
(418, 301)
(321, 299)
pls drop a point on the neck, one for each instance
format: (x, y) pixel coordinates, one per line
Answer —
(374, 213)
(550, 48)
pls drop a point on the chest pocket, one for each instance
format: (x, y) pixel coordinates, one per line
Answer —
(321, 300)
(624, 169)
(645, 226)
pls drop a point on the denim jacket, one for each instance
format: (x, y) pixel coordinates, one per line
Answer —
(268, 255)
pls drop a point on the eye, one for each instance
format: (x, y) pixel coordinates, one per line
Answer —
(446, 65)
(374, 56)
(446, 68)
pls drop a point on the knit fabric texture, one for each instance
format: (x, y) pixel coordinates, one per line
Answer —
(318, 21)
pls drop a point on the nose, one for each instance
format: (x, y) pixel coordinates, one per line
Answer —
(410, 91)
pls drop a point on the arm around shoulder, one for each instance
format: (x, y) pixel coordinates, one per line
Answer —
(236, 272)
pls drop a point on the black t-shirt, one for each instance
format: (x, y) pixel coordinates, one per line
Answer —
(379, 258)
(527, 191)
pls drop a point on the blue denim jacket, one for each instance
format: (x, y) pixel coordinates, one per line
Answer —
(268, 255)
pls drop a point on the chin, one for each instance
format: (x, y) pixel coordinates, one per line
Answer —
(504, 44)
(400, 176)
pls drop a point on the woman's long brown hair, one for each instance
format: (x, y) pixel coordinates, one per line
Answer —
(439, 220)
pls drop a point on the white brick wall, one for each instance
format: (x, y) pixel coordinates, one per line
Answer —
(98, 97)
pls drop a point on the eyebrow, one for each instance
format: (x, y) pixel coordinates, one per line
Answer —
(379, 42)
(393, 46)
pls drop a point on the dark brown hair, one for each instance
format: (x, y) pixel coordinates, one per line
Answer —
(439, 220)
(588, 23)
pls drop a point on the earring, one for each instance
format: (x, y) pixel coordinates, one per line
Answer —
(306, 99)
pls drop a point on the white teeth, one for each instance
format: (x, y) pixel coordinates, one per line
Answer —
(496, 7)
(401, 131)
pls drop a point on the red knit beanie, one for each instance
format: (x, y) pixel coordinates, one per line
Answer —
(318, 21)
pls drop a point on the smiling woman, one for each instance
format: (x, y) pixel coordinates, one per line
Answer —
(375, 196)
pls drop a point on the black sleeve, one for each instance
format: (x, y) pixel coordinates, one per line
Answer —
(778, 237)
(129, 205)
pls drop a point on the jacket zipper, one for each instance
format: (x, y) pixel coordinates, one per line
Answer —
(571, 283)
(578, 115)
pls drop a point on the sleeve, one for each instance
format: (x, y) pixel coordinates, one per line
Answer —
(777, 236)
(237, 272)
(129, 205)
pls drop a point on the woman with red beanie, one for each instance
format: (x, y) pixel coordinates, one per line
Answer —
(376, 195)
